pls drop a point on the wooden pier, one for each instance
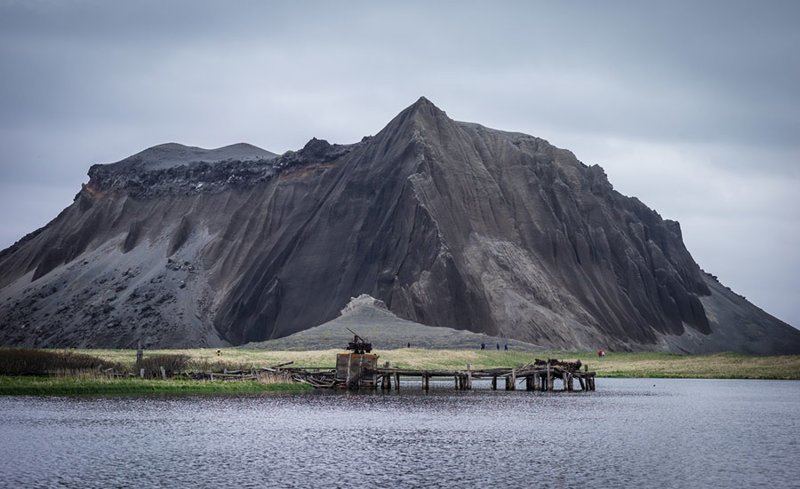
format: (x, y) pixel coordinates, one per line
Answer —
(360, 371)
(531, 377)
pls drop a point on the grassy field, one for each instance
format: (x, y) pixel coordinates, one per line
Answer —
(92, 382)
(656, 365)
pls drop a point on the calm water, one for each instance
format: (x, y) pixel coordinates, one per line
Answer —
(630, 433)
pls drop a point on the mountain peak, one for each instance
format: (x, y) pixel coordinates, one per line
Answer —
(420, 115)
(425, 107)
(423, 101)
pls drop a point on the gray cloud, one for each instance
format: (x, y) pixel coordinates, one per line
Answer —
(691, 106)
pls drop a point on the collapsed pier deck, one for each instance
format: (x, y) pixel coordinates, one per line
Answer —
(533, 379)
(360, 371)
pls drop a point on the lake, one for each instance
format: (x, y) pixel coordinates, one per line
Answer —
(629, 433)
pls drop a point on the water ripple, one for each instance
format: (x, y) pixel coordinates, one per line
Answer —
(630, 433)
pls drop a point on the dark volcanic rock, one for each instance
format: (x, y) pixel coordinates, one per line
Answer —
(448, 223)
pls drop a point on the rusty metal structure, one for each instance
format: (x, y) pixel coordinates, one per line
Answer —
(359, 345)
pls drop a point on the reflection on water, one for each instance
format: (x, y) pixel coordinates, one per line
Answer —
(629, 433)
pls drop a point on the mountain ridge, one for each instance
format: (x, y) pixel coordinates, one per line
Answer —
(448, 223)
(167, 155)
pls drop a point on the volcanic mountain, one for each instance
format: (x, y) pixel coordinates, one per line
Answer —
(447, 223)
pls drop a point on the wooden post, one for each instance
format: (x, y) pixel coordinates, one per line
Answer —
(163, 373)
(494, 382)
(397, 381)
(528, 383)
(514, 378)
(570, 384)
(469, 376)
(564, 380)
(346, 380)
(141, 373)
(139, 355)
(549, 379)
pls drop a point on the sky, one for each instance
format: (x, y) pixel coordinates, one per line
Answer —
(693, 107)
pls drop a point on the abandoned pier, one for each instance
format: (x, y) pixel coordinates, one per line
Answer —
(360, 371)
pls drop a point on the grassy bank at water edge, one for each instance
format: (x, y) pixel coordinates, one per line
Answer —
(64, 386)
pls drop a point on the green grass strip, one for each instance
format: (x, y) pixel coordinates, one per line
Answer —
(65, 386)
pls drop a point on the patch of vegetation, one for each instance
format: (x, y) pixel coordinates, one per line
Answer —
(68, 386)
(716, 366)
(173, 364)
(26, 361)
(100, 372)
(207, 359)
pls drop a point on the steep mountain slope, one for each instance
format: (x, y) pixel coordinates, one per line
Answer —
(448, 223)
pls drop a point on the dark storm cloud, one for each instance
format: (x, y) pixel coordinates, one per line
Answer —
(692, 106)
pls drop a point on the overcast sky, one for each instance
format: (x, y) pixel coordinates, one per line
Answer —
(693, 107)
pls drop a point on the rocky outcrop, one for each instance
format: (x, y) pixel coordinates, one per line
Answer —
(448, 223)
(371, 319)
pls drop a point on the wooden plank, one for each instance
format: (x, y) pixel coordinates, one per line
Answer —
(347, 379)
(549, 378)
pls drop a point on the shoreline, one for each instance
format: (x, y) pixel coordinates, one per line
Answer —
(649, 365)
(82, 386)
